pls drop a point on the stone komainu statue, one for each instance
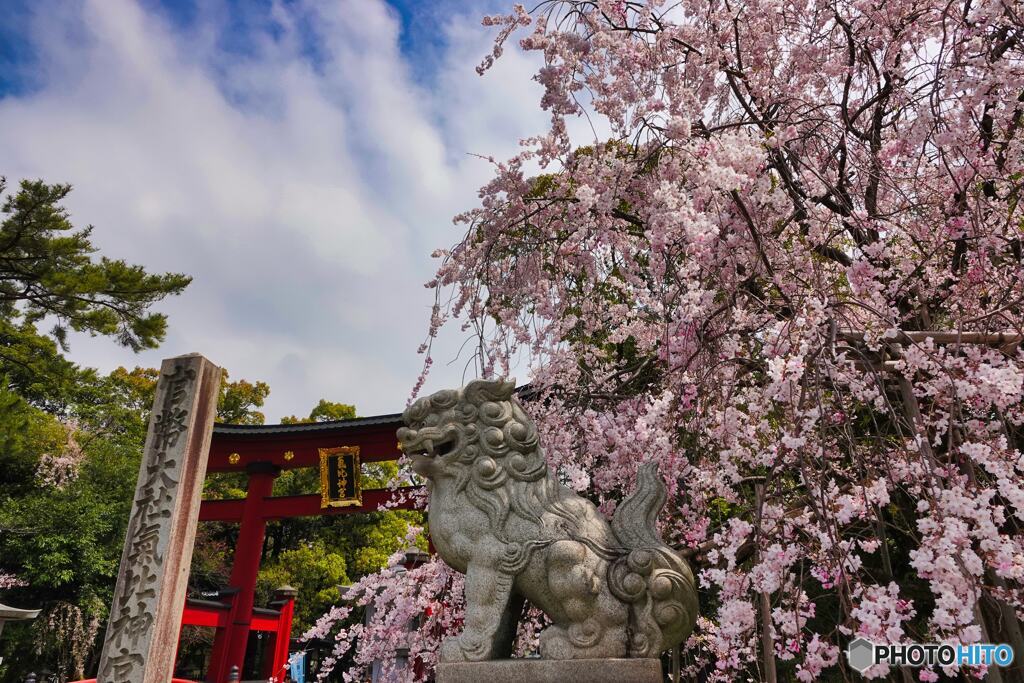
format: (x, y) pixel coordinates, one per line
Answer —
(498, 515)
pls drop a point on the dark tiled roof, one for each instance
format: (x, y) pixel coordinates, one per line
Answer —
(333, 426)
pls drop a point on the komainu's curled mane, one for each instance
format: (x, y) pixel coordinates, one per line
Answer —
(498, 515)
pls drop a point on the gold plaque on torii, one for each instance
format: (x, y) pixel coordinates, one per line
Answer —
(340, 484)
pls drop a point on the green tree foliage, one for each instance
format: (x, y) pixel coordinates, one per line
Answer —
(63, 537)
(238, 401)
(314, 570)
(17, 454)
(32, 364)
(130, 393)
(47, 271)
(325, 411)
(48, 275)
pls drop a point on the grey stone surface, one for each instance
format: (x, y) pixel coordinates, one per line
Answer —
(552, 671)
(14, 614)
(145, 618)
(499, 515)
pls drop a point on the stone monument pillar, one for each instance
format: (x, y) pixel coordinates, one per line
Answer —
(145, 619)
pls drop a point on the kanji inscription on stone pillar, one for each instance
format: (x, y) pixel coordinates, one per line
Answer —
(145, 618)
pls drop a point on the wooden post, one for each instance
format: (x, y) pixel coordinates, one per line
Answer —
(145, 618)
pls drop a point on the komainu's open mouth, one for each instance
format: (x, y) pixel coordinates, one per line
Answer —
(427, 442)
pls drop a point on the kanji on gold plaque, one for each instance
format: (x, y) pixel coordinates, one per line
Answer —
(340, 484)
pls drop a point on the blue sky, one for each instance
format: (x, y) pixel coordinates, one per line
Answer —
(301, 160)
(421, 38)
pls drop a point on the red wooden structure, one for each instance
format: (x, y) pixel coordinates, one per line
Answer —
(263, 451)
(275, 620)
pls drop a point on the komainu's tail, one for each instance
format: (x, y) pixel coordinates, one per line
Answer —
(650, 577)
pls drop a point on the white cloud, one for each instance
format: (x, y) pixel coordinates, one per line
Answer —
(304, 195)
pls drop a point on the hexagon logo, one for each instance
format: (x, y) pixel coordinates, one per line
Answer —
(860, 654)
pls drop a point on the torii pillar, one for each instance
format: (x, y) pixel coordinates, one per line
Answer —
(229, 645)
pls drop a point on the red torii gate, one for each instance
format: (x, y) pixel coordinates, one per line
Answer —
(262, 452)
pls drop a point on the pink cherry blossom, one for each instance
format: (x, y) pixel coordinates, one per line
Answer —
(10, 581)
(781, 269)
(60, 467)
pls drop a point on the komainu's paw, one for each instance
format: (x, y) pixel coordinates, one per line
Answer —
(554, 644)
(450, 650)
(463, 649)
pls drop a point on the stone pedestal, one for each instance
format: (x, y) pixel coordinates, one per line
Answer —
(552, 671)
